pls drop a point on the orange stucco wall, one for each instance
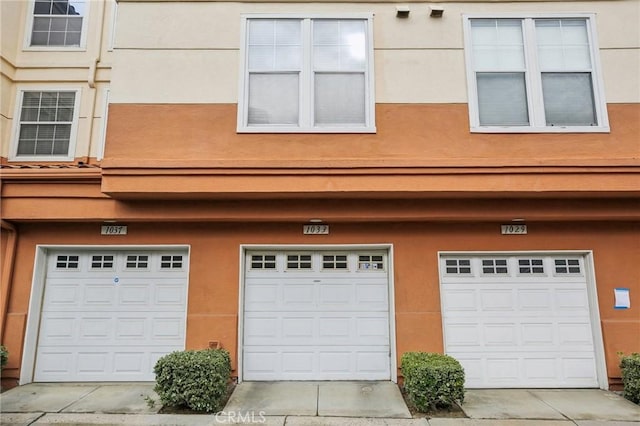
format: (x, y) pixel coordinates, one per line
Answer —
(214, 269)
(407, 134)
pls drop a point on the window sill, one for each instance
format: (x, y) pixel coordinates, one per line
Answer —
(257, 129)
(40, 158)
(551, 129)
(54, 49)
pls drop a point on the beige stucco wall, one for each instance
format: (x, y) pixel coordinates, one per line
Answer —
(87, 68)
(417, 60)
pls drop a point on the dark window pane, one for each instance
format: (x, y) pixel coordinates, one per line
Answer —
(40, 39)
(502, 99)
(568, 99)
(42, 7)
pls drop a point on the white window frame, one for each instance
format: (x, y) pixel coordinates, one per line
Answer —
(535, 103)
(28, 34)
(306, 83)
(73, 136)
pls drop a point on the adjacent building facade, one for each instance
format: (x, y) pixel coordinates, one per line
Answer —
(320, 187)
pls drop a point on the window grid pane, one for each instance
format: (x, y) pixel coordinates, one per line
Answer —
(531, 266)
(494, 266)
(45, 123)
(273, 99)
(67, 262)
(502, 99)
(458, 266)
(102, 261)
(334, 261)
(263, 261)
(137, 261)
(171, 262)
(340, 99)
(370, 262)
(57, 23)
(299, 261)
(568, 266)
(339, 45)
(563, 45)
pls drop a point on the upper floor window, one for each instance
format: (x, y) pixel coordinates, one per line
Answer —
(57, 23)
(306, 75)
(534, 75)
(46, 125)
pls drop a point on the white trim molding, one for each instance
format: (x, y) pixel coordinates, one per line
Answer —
(244, 248)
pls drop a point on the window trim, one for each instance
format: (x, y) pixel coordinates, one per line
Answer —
(243, 93)
(535, 103)
(28, 33)
(73, 136)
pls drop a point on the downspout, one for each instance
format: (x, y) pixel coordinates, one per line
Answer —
(7, 272)
(91, 81)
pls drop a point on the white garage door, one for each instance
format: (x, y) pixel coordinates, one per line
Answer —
(109, 316)
(316, 316)
(518, 321)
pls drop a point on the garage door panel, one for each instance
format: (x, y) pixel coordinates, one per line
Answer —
(296, 328)
(572, 300)
(515, 329)
(538, 334)
(374, 296)
(535, 300)
(110, 326)
(105, 363)
(319, 363)
(497, 300)
(328, 321)
(113, 328)
(93, 295)
(62, 295)
(459, 300)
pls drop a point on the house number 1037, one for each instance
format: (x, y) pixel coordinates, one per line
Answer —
(113, 230)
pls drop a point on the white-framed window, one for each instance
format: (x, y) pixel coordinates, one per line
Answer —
(46, 125)
(306, 74)
(57, 23)
(534, 74)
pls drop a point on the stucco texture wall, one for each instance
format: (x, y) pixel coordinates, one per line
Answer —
(214, 279)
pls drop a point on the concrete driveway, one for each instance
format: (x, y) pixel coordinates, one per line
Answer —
(312, 404)
(324, 399)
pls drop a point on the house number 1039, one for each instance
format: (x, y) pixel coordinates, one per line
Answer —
(315, 229)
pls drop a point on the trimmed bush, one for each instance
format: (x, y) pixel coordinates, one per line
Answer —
(432, 380)
(196, 380)
(630, 367)
(4, 356)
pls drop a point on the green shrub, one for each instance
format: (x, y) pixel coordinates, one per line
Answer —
(194, 379)
(630, 367)
(432, 380)
(4, 356)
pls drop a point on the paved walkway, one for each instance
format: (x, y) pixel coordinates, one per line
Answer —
(292, 404)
